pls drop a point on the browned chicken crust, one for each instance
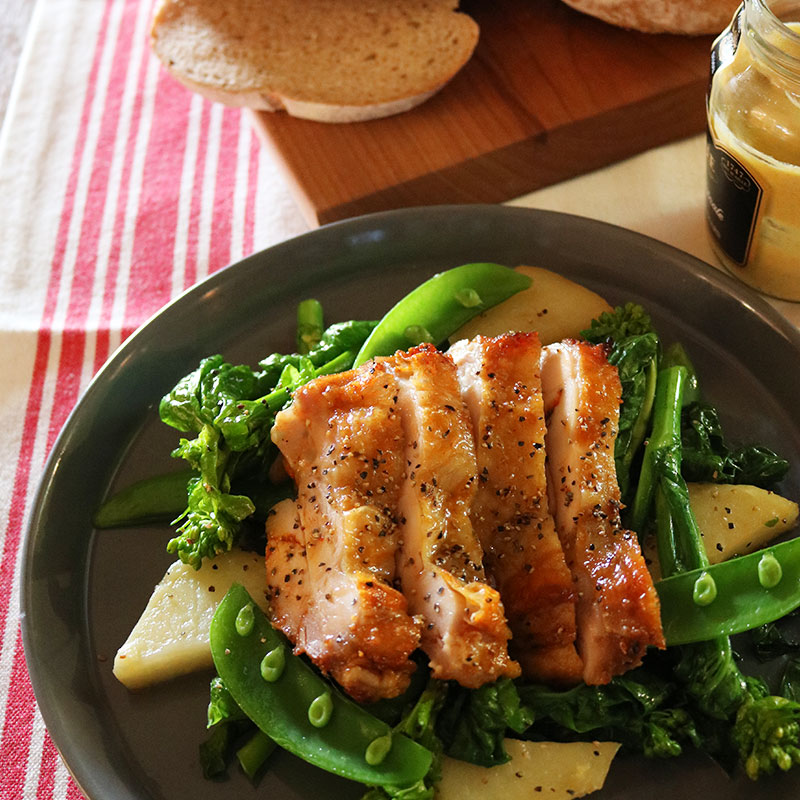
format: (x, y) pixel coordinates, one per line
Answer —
(342, 439)
(618, 612)
(499, 378)
(464, 633)
(445, 501)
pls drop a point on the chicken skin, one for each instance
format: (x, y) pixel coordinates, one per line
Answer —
(440, 559)
(499, 379)
(342, 442)
(618, 613)
(465, 504)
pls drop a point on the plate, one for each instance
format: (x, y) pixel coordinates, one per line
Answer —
(83, 590)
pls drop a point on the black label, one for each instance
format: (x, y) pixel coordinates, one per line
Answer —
(733, 198)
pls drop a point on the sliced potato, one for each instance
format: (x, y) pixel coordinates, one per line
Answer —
(737, 519)
(536, 769)
(734, 519)
(171, 636)
(554, 306)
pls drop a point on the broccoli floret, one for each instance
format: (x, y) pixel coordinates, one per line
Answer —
(767, 734)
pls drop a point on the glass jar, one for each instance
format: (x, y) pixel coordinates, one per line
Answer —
(753, 154)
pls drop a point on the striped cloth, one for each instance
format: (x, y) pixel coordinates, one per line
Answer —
(120, 189)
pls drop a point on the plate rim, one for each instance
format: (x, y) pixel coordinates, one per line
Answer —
(678, 259)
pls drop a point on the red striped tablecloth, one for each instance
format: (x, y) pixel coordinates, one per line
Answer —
(119, 190)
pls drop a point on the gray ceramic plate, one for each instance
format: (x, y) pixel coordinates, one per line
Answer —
(83, 590)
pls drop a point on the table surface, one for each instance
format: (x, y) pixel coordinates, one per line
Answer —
(120, 189)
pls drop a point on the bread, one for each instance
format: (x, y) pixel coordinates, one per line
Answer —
(325, 60)
(662, 16)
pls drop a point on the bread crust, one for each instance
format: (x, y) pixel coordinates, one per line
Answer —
(323, 60)
(693, 17)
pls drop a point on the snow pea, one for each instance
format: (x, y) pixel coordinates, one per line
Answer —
(159, 498)
(342, 740)
(440, 306)
(732, 596)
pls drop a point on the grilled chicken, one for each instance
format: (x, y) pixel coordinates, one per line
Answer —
(499, 379)
(617, 610)
(287, 568)
(464, 634)
(342, 442)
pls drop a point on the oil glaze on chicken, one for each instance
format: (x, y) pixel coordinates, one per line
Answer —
(617, 609)
(500, 382)
(464, 504)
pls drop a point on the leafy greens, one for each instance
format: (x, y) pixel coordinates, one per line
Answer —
(231, 409)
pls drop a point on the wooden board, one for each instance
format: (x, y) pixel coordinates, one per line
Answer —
(548, 94)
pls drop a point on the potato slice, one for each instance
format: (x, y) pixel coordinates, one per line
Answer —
(734, 519)
(171, 636)
(554, 306)
(737, 519)
(536, 769)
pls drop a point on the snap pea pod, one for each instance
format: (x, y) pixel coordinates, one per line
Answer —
(159, 498)
(277, 693)
(732, 596)
(440, 306)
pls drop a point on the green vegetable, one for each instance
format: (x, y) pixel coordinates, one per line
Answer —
(767, 733)
(639, 709)
(310, 326)
(634, 350)
(281, 708)
(231, 409)
(620, 324)
(273, 664)
(321, 710)
(215, 751)
(764, 728)
(245, 620)
(337, 339)
(378, 749)
(704, 589)
(156, 499)
(254, 752)
(707, 457)
(419, 724)
(221, 706)
(790, 680)
(228, 724)
(473, 723)
(440, 306)
(770, 642)
(741, 602)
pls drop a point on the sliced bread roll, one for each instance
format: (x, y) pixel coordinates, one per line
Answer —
(662, 16)
(326, 60)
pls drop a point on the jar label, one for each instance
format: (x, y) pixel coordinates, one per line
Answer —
(733, 199)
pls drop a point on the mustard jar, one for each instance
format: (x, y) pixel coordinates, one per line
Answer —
(753, 149)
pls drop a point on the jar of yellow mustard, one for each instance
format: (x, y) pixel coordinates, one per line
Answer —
(753, 155)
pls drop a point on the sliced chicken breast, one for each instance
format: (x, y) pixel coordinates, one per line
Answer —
(465, 633)
(499, 379)
(617, 609)
(342, 442)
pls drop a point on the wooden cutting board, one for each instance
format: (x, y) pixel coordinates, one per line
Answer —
(548, 94)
